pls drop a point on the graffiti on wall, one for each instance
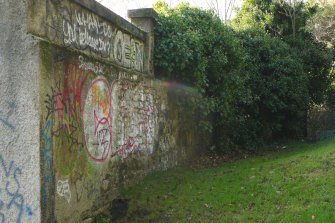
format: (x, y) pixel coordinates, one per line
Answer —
(63, 189)
(48, 161)
(12, 201)
(86, 187)
(91, 120)
(86, 31)
(102, 118)
(63, 144)
(96, 118)
(134, 118)
(5, 114)
(128, 52)
(118, 120)
(97, 68)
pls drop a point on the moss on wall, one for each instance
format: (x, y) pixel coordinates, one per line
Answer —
(104, 123)
(108, 128)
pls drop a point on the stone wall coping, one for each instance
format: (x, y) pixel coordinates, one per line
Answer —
(112, 17)
(143, 13)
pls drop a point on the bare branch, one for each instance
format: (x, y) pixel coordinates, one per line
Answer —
(223, 8)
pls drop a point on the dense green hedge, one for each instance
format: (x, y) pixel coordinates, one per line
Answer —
(258, 85)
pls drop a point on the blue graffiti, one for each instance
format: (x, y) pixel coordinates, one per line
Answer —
(12, 190)
(46, 181)
(47, 153)
(5, 118)
(47, 157)
(29, 212)
(2, 216)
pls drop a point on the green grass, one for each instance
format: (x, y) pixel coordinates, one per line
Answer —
(296, 184)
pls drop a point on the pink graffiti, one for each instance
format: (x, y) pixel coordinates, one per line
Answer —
(126, 148)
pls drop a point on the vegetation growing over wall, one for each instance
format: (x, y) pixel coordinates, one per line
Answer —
(260, 73)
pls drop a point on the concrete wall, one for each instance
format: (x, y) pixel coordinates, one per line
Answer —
(81, 114)
(105, 129)
(19, 117)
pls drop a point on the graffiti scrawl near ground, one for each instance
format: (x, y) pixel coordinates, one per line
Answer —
(86, 186)
(63, 189)
(12, 200)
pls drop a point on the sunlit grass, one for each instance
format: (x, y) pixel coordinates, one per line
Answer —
(294, 185)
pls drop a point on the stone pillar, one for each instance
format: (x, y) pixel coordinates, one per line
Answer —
(145, 19)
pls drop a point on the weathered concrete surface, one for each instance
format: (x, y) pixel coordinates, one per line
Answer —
(81, 115)
(108, 129)
(19, 117)
(146, 19)
(90, 31)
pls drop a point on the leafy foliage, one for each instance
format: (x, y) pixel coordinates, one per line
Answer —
(258, 77)
(278, 86)
(276, 17)
(193, 46)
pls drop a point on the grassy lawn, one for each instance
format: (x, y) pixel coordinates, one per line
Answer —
(296, 184)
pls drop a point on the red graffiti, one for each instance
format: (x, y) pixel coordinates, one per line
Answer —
(98, 142)
(65, 105)
(74, 82)
(126, 148)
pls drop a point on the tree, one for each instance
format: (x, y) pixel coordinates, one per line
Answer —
(223, 9)
(278, 101)
(253, 14)
(289, 9)
(259, 80)
(279, 17)
(324, 3)
(322, 25)
(194, 47)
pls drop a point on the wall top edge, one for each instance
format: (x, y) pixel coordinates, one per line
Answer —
(143, 13)
(110, 16)
(90, 28)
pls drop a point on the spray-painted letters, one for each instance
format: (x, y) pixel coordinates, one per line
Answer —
(12, 202)
(86, 31)
(134, 118)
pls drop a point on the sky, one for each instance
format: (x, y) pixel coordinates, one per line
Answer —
(121, 6)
